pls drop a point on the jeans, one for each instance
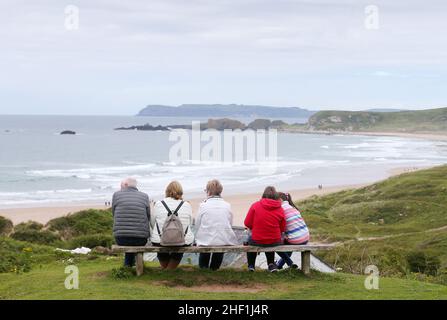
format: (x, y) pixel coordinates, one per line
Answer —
(129, 258)
(285, 257)
(270, 256)
(216, 260)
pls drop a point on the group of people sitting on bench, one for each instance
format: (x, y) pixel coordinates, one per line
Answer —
(273, 220)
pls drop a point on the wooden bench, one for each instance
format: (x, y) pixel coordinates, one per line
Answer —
(304, 249)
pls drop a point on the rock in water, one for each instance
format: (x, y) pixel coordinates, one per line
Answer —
(68, 132)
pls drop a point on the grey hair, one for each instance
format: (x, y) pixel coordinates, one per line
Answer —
(129, 182)
(214, 188)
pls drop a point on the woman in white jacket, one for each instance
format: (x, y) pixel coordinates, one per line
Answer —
(214, 225)
(173, 197)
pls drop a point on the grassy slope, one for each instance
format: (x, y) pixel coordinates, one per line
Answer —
(96, 282)
(405, 210)
(433, 120)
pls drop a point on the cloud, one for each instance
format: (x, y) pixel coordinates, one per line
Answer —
(212, 44)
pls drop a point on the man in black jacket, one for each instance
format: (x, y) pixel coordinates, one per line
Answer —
(131, 216)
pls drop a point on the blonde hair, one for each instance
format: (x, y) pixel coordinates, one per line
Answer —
(214, 188)
(174, 190)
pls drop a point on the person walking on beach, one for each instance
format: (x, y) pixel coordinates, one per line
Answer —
(267, 222)
(296, 232)
(214, 225)
(172, 204)
(131, 216)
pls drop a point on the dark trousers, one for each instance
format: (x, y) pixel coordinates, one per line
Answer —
(129, 258)
(216, 260)
(270, 256)
(251, 258)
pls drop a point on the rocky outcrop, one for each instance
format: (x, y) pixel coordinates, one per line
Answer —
(68, 132)
(216, 124)
(264, 124)
(223, 124)
(145, 127)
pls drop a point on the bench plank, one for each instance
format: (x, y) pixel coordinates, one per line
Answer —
(304, 249)
(211, 249)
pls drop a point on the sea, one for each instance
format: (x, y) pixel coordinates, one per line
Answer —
(40, 167)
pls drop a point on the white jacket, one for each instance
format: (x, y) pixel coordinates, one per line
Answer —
(214, 223)
(159, 215)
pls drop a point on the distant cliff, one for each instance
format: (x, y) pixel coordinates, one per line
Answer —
(224, 110)
(432, 120)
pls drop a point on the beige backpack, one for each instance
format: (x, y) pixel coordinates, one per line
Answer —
(172, 234)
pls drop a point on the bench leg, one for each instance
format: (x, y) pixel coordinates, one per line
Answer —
(305, 262)
(140, 264)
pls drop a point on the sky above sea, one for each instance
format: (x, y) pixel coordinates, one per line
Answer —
(115, 57)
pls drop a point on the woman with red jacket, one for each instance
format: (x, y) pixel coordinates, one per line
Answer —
(267, 222)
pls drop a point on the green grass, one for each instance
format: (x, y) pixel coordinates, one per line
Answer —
(432, 120)
(406, 210)
(82, 223)
(97, 282)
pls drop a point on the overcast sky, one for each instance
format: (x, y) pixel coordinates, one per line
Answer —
(317, 54)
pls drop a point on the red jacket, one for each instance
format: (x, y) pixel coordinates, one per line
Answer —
(266, 220)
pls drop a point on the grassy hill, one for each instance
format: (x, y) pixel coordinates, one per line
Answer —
(388, 224)
(423, 121)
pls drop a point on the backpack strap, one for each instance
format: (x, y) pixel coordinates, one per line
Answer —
(178, 208)
(166, 207)
(158, 228)
(169, 210)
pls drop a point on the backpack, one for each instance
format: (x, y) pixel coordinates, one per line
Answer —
(172, 234)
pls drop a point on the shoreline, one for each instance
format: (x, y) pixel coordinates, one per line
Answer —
(426, 136)
(240, 202)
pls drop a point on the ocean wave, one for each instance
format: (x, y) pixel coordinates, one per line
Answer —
(87, 172)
